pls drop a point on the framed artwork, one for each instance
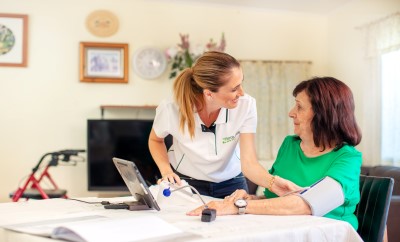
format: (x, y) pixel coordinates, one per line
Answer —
(103, 62)
(13, 39)
(102, 23)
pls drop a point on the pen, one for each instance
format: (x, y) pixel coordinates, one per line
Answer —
(313, 185)
(296, 191)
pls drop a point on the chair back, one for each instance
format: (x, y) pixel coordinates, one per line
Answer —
(372, 211)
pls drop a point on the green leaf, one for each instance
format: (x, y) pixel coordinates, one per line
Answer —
(175, 65)
(188, 59)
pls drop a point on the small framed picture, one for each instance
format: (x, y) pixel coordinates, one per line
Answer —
(13, 40)
(104, 62)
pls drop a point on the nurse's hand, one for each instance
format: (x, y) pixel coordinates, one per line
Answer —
(241, 194)
(282, 186)
(170, 177)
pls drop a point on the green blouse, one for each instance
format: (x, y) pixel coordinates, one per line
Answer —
(343, 165)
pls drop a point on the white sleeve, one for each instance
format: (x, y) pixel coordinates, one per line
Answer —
(161, 120)
(250, 122)
(323, 196)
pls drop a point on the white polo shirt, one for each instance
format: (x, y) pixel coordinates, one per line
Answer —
(209, 157)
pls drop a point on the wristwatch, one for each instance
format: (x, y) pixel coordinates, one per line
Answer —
(241, 204)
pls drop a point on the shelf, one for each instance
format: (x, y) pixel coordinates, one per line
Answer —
(103, 107)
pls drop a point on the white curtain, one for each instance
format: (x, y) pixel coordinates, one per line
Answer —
(271, 83)
(381, 36)
(391, 108)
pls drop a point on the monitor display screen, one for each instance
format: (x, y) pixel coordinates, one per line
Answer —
(125, 139)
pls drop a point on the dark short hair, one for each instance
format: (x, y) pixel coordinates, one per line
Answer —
(334, 122)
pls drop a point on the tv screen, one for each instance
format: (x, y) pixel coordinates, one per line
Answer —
(126, 139)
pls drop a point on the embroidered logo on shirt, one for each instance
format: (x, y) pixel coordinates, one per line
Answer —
(228, 139)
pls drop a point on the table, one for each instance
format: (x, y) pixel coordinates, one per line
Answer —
(224, 228)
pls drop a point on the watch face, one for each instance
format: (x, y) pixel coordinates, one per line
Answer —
(240, 203)
(149, 63)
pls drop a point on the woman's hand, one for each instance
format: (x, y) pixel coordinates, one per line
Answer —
(224, 207)
(240, 193)
(170, 177)
(282, 186)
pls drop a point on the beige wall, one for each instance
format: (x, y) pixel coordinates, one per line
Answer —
(44, 107)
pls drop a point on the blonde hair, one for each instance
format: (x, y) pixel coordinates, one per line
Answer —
(210, 72)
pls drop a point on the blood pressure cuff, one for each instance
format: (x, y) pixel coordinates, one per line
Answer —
(323, 196)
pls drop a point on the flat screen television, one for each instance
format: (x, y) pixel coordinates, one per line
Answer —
(126, 139)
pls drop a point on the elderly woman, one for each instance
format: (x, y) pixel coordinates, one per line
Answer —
(322, 148)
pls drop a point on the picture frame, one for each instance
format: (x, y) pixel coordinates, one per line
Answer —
(104, 62)
(13, 40)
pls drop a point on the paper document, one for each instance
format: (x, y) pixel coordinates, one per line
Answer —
(46, 227)
(177, 197)
(101, 229)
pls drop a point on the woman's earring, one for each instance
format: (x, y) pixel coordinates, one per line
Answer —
(208, 94)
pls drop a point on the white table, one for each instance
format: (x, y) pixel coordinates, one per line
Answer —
(224, 228)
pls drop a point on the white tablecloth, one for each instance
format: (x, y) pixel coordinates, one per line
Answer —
(224, 228)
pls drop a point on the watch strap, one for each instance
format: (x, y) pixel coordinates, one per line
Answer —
(242, 210)
(241, 204)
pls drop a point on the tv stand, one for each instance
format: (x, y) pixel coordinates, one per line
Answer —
(103, 107)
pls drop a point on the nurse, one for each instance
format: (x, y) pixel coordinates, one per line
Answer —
(213, 125)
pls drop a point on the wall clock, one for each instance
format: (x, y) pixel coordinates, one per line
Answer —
(149, 62)
(102, 23)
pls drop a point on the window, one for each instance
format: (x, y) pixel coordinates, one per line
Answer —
(390, 152)
(381, 45)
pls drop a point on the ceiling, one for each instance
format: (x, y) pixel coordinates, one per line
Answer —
(308, 6)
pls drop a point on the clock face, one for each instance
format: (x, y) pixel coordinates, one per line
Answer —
(149, 62)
